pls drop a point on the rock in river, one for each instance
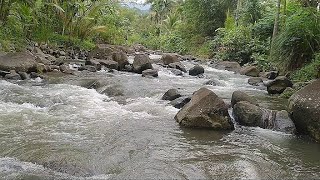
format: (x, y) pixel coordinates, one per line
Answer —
(19, 61)
(278, 85)
(171, 94)
(250, 71)
(238, 96)
(196, 70)
(304, 109)
(205, 110)
(141, 62)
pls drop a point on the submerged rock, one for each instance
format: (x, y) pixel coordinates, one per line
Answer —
(150, 73)
(205, 110)
(304, 109)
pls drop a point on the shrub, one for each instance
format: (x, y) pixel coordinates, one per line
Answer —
(308, 72)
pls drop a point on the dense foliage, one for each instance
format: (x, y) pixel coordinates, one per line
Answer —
(273, 34)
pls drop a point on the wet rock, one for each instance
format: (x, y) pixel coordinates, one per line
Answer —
(19, 61)
(102, 51)
(150, 73)
(35, 75)
(278, 85)
(109, 63)
(171, 94)
(205, 110)
(229, 66)
(283, 123)
(238, 96)
(95, 63)
(169, 58)
(304, 109)
(4, 73)
(255, 81)
(196, 70)
(250, 71)
(121, 58)
(178, 65)
(128, 68)
(176, 72)
(180, 102)
(87, 68)
(141, 62)
(212, 82)
(247, 114)
(64, 68)
(24, 75)
(13, 75)
(270, 75)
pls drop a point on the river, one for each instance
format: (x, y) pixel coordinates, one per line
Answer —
(58, 129)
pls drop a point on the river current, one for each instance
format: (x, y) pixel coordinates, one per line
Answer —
(59, 129)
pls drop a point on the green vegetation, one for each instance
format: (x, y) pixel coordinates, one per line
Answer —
(273, 34)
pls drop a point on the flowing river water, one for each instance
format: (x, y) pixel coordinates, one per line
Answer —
(62, 130)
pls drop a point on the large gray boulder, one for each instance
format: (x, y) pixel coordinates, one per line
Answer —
(169, 58)
(304, 109)
(205, 110)
(238, 96)
(19, 61)
(141, 62)
(196, 70)
(250, 71)
(255, 81)
(278, 85)
(283, 123)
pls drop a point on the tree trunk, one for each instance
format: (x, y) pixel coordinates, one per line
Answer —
(276, 21)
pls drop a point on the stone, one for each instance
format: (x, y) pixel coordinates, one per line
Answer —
(128, 68)
(283, 123)
(19, 61)
(141, 62)
(64, 68)
(250, 71)
(180, 102)
(238, 96)
(150, 73)
(4, 73)
(278, 85)
(196, 70)
(212, 82)
(247, 114)
(178, 65)
(304, 110)
(270, 75)
(24, 75)
(255, 81)
(97, 65)
(87, 68)
(229, 66)
(13, 75)
(121, 58)
(35, 75)
(169, 58)
(205, 110)
(171, 94)
(176, 72)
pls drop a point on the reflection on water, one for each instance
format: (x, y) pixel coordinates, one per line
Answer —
(63, 130)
